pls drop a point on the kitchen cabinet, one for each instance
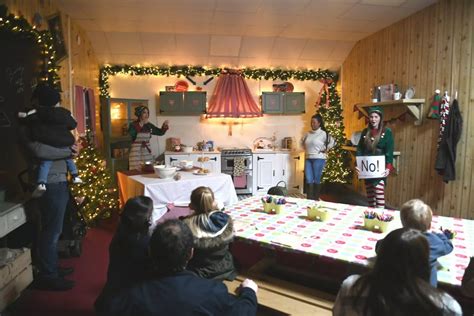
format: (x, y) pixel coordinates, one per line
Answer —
(182, 103)
(283, 102)
(116, 115)
(271, 168)
(213, 164)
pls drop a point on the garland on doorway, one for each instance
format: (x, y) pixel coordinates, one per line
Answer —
(19, 27)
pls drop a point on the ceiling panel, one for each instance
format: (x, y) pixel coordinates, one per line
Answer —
(289, 33)
(225, 46)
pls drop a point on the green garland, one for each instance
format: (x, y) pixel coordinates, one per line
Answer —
(250, 73)
(19, 27)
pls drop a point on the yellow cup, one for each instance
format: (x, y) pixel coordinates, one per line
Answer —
(381, 226)
(267, 207)
(319, 214)
(278, 208)
(369, 223)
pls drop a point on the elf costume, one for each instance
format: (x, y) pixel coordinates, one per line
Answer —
(376, 141)
(434, 110)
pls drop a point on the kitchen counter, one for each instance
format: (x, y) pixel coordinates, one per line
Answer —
(275, 151)
(196, 152)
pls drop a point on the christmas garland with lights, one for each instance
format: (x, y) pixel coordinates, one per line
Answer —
(19, 27)
(191, 71)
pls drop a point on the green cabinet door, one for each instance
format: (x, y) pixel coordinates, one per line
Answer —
(272, 102)
(194, 102)
(294, 103)
(171, 102)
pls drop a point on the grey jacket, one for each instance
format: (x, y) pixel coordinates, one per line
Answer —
(58, 170)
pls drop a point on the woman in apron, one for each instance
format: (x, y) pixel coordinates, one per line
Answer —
(141, 131)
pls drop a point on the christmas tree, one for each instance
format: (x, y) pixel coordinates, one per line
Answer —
(337, 168)
(96, 196)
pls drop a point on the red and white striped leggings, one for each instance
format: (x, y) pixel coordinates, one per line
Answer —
(376, 194)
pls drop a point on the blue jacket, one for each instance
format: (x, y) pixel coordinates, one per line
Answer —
(440, 246)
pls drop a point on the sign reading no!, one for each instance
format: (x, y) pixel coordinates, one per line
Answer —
(371, 166)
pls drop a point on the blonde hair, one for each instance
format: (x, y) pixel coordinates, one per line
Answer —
(416, 214)
(202, 200)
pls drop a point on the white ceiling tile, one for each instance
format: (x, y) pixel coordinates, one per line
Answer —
(285, 6)
(390, 3)
(254, 62)
(367, 12)
(287, 48)
(247, 6)
(318, 49)
(341, 50)
(257, 47)
(227, 29)
(99, 42)
(124, 43)
(156, 43)
(111, 25)
(197, 45)
(225, 62)
(225, 46)
(418, 4)
(235, 18)
(264, 31)
(327, 9)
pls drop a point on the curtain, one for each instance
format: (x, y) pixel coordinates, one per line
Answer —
(232, 98)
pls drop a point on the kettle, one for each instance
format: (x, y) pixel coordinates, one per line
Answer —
(287, 143)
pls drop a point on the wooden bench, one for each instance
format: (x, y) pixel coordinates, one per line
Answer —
(283, 296)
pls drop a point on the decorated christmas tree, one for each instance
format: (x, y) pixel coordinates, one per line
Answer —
(337, 168)
(96, 195)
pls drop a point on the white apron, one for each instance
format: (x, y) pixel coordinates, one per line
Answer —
(140, 151)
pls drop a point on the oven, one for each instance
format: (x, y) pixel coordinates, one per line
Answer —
(235, 159)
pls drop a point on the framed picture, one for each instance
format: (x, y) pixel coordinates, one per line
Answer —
(56, 29)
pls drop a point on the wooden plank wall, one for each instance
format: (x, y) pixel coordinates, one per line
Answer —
(432, 49)
(85, 68)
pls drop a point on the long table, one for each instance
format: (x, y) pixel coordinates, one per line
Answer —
(177, 192)
(342, 237)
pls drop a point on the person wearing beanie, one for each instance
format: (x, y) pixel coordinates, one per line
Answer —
(50, 124)
(376, 140)
(141, 131)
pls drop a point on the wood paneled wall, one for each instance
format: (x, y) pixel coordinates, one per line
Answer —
(432, 49)
(85, 68)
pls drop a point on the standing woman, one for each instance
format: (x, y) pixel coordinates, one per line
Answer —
(141, 131)
(376, 140)
(316, 144)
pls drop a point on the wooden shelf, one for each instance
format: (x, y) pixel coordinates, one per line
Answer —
(414, 106)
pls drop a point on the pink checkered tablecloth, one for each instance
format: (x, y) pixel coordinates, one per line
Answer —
(342, 236)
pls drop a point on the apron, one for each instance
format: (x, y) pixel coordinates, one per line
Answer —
(140, 151)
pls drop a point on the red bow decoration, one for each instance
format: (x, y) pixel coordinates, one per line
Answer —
(324, 89)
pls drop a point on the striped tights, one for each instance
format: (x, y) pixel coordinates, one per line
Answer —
(376, 194)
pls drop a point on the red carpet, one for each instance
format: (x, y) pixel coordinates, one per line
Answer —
(89, 275)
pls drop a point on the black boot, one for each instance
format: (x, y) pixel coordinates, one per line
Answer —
(316, 191)
(310, 191)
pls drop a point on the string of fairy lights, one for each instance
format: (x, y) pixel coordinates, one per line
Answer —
(19, 27)
(95, 195)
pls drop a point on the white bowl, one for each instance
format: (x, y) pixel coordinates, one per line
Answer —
(186, 164)
(164, 172)
(188, 149)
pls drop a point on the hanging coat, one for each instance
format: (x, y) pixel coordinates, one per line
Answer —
(446, 157)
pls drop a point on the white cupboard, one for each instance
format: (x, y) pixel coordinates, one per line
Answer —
(213, 164)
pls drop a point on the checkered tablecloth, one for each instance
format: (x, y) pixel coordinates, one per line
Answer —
(342, 236)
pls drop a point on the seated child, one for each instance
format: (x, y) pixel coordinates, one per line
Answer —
(417, 215)
(213, 232)
(50, 124)
(467, 285)
(129, 261)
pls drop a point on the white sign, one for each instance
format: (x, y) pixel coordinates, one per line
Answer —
(371, 166)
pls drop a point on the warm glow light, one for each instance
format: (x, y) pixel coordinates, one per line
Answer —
(115, 112)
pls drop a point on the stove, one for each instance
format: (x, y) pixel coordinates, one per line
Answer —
(237, 162)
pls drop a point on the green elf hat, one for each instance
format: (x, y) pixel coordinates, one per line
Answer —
(375, 109)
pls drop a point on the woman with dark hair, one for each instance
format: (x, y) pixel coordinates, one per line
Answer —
(376, 140)
(141, 131)
(316, 143)
(129, 260)
(398, 284)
